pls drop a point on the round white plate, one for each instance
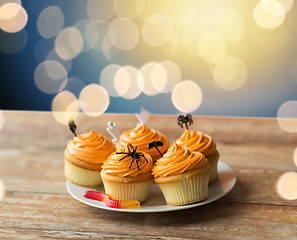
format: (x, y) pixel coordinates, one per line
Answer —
(156, 202)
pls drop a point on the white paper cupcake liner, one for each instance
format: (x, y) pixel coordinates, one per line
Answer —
(186, 190)
(81, 176)
(128, 191)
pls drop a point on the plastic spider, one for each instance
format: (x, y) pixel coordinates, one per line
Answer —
(134, 155)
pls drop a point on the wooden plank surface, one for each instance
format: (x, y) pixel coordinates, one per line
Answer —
(36, 204)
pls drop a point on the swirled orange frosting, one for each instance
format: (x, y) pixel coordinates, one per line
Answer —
(198, 142)
(118, 163)
(141, 136)
(90, 147)
(177, 160)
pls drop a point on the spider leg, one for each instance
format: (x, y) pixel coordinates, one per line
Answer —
(124, 157)
(132, 147)
(142, 155)
(131, 162)
(145, 158)
(136, 159)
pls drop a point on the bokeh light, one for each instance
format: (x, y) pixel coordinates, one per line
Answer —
(286, 186)
(50, 22)
(65, 106)
(230, 25)
(287, 116)
(9, 9)
(3, 2)
(100, 9)
(126, 82)
(52, 55)
(230, 73)
(287, 4)
(69, 43)
(13, 17)
(121, 81)
(93, 33)
(157, 30)
(89, 40)
(269, 14)
(1, 120)
(186, 96)
(159, 77)
(94, 100)
(109, 51)
(129, 8)
(123, 33)
(145, 81)
(165, 75)
(212, 47)
(49, 76)
(2, 190)
(107, 78)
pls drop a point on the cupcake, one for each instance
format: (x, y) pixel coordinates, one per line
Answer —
(84, 156)
(141, 136)
(182, 176)
(126, 174)
(200, 142)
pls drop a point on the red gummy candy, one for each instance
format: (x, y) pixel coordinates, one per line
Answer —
(103, 197)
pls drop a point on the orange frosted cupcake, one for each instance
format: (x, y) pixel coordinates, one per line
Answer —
(126, 174)
(141, 136)
(200, 142)
(84, 156)
(182, 176)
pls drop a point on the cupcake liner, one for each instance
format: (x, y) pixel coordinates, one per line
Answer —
(81, 176)
(186, 190)
(214, 172)
(127, 191)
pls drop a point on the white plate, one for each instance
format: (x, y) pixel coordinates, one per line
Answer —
(156, 202)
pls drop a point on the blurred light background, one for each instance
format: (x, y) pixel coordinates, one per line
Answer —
(205, 57)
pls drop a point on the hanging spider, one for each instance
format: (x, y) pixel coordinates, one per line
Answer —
(181, 120)
(134, 155)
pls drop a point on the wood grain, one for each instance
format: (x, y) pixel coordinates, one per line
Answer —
(36, 204)
(62, 213)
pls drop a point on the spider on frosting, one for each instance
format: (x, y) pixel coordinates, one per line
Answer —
(134, 155)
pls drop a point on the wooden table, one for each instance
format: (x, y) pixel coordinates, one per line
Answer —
(36, 204)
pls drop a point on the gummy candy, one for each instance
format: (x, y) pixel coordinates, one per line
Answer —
(103, 197)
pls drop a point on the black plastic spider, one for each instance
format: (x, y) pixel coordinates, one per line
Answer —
(134, 155)
(181, 120)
